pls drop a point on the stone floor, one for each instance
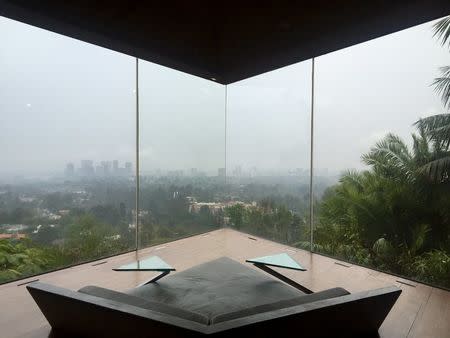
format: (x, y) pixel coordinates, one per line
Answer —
(421, 310)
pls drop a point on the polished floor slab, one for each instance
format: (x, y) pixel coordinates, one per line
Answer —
(421, 311)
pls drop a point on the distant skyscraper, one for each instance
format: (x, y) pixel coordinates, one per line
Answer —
(194, 172)
(87, 168)
(115, 167)
(105, 168)
(221, 172)
(128, 168)
(70, 170)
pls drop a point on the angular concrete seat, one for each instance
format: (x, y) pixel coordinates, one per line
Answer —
(219, 298)
(217, 289)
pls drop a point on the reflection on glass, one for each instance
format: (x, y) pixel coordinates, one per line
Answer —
(268, 133)
(182, 154)
(66, 140)
(387, 201)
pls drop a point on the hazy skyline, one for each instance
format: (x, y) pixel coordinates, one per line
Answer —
(63, 100)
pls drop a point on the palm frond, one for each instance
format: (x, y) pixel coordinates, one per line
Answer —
(421, 146)
(442, 85)
(418, 237)
(355, 196)
(437, 128)
(352, 178)
(438, 170)
(390, 155)
(442, 30)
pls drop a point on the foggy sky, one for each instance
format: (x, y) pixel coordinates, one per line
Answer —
(63, 100)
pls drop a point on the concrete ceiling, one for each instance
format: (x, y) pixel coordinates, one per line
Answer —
(227, 41)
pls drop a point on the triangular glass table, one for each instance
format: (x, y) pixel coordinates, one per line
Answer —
(153, 263)
(282, 260)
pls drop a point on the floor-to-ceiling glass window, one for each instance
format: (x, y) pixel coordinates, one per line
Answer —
(382, 148)
(182, 154)
(235, 156)
(268, 154)
(67, 151)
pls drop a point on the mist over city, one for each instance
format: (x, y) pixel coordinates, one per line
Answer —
(74, 101)
(215, 157)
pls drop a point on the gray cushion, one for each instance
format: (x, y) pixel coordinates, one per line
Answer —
(143, 303)
(217, 287)
(330, 293)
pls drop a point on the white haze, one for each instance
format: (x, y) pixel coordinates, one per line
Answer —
(63, 100)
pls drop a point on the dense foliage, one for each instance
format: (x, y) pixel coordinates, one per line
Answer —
(396, 215)
(93, 229)
(268, 220)
(22, 258)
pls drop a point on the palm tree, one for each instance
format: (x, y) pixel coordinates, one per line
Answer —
(442, 30)
(437, 127)
(391, 158)
(392, 202)
(442, 83)
(390, 215)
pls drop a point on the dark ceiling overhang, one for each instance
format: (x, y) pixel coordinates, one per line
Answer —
(226, 41)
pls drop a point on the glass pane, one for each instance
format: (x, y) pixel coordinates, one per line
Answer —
(268, 147)
(282, 260)
(182, 154)
(66, 139)
(152, 263)
(379, 204)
